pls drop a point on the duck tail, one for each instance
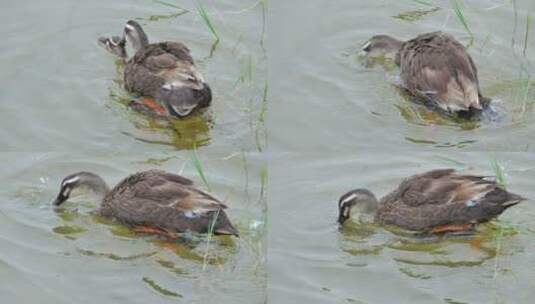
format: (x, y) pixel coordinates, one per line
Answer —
(229, 230)
(223, 226)
(471, 93)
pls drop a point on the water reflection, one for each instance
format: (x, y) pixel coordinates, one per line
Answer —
(200, 249)
(412, 251)
(184, 134)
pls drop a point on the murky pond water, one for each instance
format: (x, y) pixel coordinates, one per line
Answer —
(69, 255)
(312, 261)
(63, 110)
(335, 125)
(344, 105)
(62, 90)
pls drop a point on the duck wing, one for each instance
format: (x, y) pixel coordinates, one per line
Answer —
(172, 62)
(170, 202)
(179, 50)
(444, 197)
(437, 67)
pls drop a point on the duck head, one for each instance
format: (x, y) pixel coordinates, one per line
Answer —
(114, 45)
(78, 181)
(135, 35)
(360, 200)
(382, 46)
(181, 101)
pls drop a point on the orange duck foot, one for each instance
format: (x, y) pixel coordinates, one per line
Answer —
(451, 228)
(476, 243)
(155, 230)
(153, 105)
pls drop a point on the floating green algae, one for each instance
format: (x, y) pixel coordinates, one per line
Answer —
(69, 230)
(414, 275)
(160, 289)
(162, 17)
(67, 216)
(157, 161)
(123, 231)
(415, 15)
(172, 267)
(115, 257)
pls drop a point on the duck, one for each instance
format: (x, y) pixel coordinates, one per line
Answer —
(153, 201)
(434, 67)
(164, 73)
(115, 45)
(434, 202)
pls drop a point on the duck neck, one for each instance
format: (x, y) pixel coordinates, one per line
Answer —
(97, 186)
(370, 206)
(139, 40)
(396, 47)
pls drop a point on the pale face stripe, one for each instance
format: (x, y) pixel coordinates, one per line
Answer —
(128, 26)
(348, 199)
(71, 180)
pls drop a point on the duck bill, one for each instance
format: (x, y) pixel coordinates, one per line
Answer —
(183, 111)
(60, 199)
(343, 215)
(342, 218)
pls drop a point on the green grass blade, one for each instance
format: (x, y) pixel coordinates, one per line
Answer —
(526, 34)
(170, 5)
(261, 132)
(204, 15)
(423, 2)
(457, 9)
(499, 172)
(198, 166)
(209, 239)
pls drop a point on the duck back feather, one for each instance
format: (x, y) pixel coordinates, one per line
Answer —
(435, 66)
(443, 197)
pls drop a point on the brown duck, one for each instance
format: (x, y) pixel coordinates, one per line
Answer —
(434, 67)
(437, 201)
(155, 202)
(163, 71)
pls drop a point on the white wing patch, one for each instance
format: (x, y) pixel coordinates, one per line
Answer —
(191, 214)
(471, 203)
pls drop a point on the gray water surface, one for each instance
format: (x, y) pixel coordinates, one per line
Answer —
(336, 125)
(333, 125)
(344, 105)
(61, 92)
(63, 110)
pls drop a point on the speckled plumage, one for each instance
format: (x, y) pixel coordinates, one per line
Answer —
(435, 65)
(165, 201)
(164, 71)
(443, 197)
(167, 63)
(436, 68)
